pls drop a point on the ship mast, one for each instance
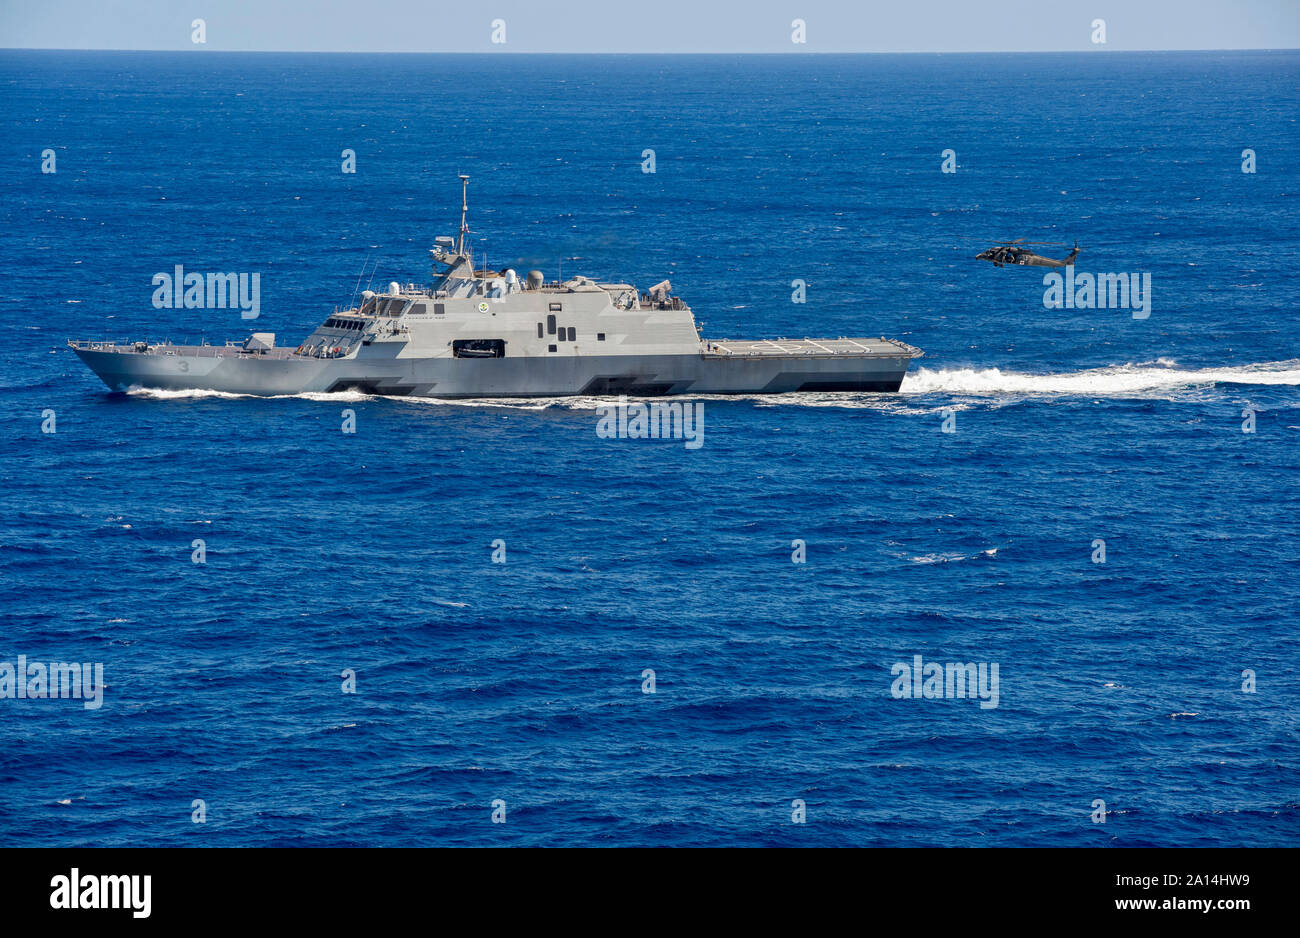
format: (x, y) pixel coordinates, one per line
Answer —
(464, 207)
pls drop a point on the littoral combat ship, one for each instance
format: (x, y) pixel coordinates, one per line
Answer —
(485, 333)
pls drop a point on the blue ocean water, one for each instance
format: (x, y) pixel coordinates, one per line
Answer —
(522, 681)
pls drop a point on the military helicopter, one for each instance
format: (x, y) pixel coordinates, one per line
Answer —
(1017, 252)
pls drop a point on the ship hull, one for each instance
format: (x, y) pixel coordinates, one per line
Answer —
(192, 368)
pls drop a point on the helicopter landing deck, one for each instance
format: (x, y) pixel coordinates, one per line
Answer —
(810, 348)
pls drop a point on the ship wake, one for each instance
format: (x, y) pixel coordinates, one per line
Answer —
(192, 394)
(1158, 378)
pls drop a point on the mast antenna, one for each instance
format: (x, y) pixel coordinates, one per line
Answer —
(352, 302)
(464, 208)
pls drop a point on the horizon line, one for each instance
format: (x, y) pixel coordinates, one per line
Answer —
(501, 52)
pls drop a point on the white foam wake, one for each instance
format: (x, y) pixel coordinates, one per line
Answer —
(163, 394)
(1131, 380)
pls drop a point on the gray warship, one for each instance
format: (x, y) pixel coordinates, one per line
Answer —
(486, 333)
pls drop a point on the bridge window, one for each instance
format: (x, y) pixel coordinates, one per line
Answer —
(539, 330)
(600, 337)
(550, 325)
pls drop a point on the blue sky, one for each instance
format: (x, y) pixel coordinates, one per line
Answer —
(651, 26)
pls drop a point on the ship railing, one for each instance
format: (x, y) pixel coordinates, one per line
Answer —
(96, 345)
(190, 350)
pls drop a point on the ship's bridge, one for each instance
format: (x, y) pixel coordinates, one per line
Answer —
(391, 305)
